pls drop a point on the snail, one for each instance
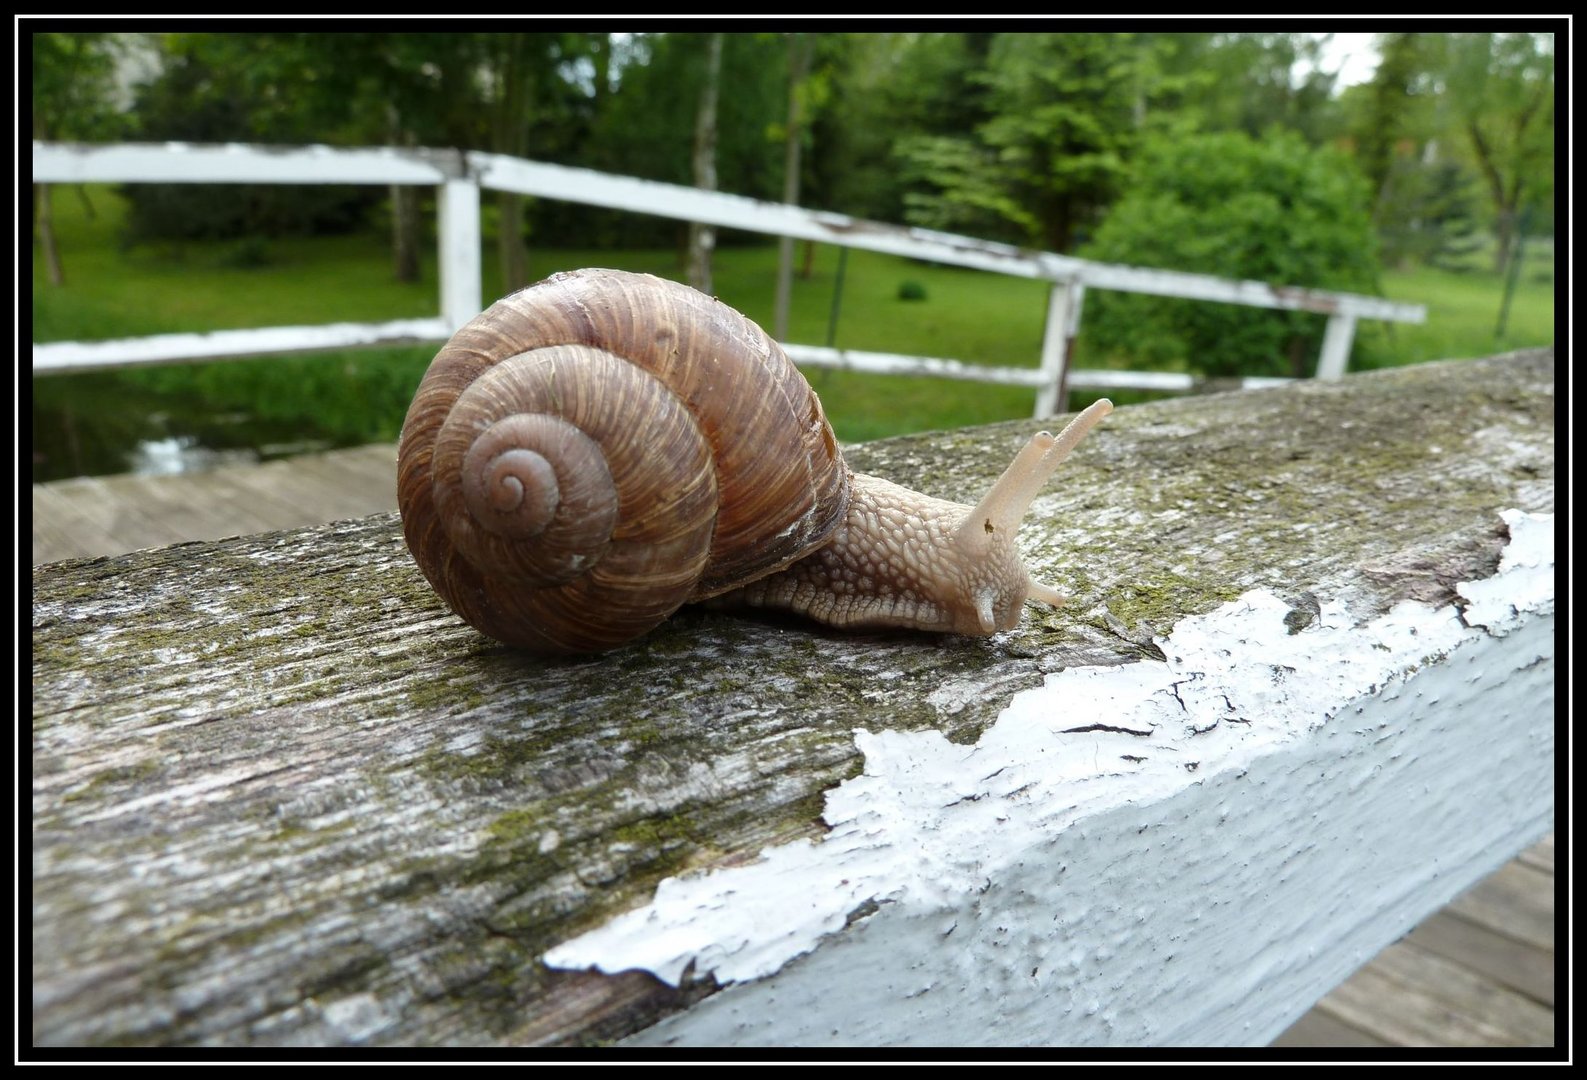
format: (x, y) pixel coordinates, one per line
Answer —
(594, 451)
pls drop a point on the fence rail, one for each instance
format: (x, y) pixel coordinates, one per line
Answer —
(460, 175)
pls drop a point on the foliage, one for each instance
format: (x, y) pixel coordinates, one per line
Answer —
(1272, 210)
(1428, 213)
(1424, 207)
(1501, 96)
(1390, 117)
(1031, 138)
(73, 86)
(646, 129)
(1254, 82)
(853, 172)
(1021, 137)
(206, 93)
(1049, 123)
(1050, 151)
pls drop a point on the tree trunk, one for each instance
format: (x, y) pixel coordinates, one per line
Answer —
(404, 232)
(404, 209)
(1503, 238)
(601, 57)
(510, 241)
(44, 219)
(1506, 179)
(1299, 356)
(799, 49)
(702, 237)
(511, 136)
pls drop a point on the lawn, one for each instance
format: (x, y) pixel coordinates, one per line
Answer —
(86, 423)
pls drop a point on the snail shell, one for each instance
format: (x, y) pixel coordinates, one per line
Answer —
(596, 450)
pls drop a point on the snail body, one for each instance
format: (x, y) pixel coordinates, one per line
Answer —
(594, 451)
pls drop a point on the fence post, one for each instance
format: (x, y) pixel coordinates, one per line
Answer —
(461, 288)
(1063, 323)
(1336, 346)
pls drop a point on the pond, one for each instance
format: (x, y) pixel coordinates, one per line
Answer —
(99, 424)
(182, 417)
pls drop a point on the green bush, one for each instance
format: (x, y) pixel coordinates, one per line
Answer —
(911, 290)
(1273, 210)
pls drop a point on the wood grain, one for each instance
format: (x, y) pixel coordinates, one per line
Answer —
(282, 796)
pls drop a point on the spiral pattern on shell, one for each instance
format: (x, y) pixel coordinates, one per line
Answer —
(596, 450)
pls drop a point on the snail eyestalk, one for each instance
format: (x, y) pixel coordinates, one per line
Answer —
(1004, 507)
(995, 520)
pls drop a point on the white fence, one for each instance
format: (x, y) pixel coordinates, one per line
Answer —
(461, 174)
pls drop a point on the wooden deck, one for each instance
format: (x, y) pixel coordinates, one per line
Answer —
(111, 515)
(1480, 973)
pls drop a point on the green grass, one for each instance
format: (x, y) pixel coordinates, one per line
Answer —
(1463, 311)
(345, 398)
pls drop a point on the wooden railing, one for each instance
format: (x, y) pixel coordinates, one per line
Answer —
(461, 175)
(1301, 697)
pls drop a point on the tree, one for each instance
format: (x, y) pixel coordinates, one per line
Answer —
(1273, 210)
(1501, 96)
(702, 237)
(1427, 211)
(646, 129)
(418, 85)
(1051, 150)
(73, 82)
(855, 172)
(1422, 205)
(1390, 118)
(1252, 83)
(800, 47)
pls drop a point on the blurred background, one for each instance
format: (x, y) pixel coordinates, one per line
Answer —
(1414, 166)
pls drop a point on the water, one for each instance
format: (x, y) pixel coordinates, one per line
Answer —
(96, 425)
(183, 453)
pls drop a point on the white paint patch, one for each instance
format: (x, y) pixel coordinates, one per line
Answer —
(930, 822)
(1525, 581)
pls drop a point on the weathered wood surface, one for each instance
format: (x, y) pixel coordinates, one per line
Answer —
(282, 796)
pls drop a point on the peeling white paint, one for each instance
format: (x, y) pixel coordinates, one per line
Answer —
(930, 828)
(1525, 580)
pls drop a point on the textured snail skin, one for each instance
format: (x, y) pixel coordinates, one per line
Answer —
(596, 450)
(903, 559)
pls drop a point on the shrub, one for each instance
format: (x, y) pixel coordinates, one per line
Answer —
(1274, 210)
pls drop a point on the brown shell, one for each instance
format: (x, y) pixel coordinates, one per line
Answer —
(598, 449)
